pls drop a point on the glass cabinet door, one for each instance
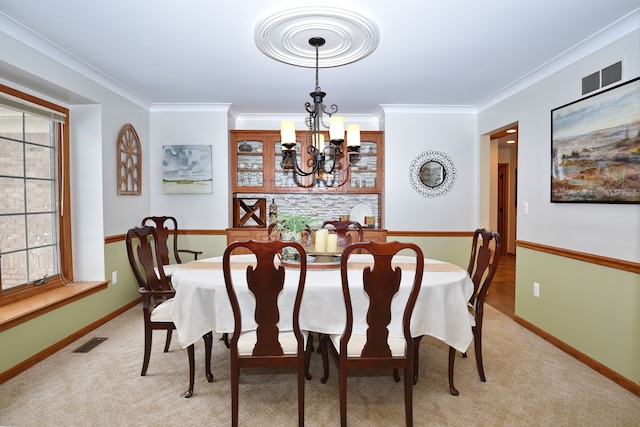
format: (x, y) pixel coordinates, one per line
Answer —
(286, 177)
(364, 167)
(250, 164)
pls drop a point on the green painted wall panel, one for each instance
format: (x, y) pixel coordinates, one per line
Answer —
(455, 250)
(593, 308)
(28, 339)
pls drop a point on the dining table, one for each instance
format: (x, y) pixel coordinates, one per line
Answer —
(201, 303)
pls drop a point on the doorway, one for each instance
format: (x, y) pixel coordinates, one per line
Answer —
(505, 169)
(502, 293)
(503, 202)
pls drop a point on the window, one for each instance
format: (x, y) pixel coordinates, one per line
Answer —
(35, 227)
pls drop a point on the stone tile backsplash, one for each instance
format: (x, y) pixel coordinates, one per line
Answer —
(323, 206)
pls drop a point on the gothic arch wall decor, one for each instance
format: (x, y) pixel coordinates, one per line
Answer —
(432, 173)
(129, 162)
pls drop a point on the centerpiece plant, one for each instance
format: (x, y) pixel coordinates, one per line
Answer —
(292, 225)
(295, 222)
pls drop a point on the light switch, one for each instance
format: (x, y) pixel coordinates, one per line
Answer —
(525, 208)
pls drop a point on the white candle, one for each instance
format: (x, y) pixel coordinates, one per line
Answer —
(321, 240)
(332, 243)
(336, 128)
(353, 136)
(287, 133)
(318, 144)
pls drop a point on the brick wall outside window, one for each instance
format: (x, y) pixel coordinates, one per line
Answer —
(27, 200)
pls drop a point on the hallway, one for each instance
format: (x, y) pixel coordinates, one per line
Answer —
(502, 293)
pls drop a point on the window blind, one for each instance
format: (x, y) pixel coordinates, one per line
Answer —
(24, 106)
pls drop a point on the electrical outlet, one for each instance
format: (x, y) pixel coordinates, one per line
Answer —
(114, 277)
(536, 289)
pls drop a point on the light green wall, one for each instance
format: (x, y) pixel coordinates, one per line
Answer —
(210, 245)
(27, 339)
(455, 250)
(592, 308)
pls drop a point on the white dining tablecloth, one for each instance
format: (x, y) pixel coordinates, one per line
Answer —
(201, 303)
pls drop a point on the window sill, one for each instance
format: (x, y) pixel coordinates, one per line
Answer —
(29, 308)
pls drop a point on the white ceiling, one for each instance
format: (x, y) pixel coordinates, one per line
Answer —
(453, 53)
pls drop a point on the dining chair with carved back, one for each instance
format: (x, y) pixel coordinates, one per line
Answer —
(348, 231)
(166, 228)
(483, 263)
(157, 296)
(375, 349)
(266, 345)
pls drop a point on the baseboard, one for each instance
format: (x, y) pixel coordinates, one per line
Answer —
(39, 357)
(592, 363)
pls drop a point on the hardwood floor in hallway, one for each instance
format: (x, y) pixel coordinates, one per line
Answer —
(502, 293)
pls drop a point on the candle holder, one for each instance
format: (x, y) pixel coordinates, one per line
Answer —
(323, 255)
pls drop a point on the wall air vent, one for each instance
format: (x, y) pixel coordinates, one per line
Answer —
(612, 74)
(602, 78)
(591, 83)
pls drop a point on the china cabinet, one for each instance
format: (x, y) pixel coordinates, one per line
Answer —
(255, 164)
(256, 158)
(256, 173)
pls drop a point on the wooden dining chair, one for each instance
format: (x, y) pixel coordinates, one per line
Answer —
(485, 254)
(167, 226)
(267, 345)
(375, 349)
(346, 230)
(157, 297)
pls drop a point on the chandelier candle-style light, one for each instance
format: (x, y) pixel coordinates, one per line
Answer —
(324, 157)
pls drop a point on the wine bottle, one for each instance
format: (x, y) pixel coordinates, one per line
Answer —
(273, 211)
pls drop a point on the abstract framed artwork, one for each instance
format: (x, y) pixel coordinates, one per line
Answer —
(595, 147)
(186, 169)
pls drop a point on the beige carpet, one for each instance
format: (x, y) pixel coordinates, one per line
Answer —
(529, 383)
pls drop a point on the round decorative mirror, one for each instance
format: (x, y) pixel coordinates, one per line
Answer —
(432, 173)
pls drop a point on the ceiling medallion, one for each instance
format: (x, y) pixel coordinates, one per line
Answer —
(348, 36)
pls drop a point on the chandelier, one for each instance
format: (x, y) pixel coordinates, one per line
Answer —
(324, 158)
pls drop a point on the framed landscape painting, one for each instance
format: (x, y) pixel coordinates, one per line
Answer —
(595, 147)
(186, 169)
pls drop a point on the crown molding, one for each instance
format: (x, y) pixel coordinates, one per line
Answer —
(622, 27)
(45, 47)
(302, 117)
(204, 107)
(430, 109)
